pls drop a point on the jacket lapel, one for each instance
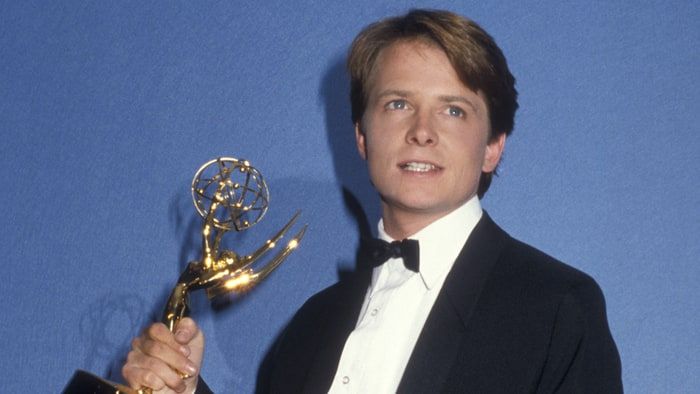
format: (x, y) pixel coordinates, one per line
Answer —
(439, 342)
(339, 321)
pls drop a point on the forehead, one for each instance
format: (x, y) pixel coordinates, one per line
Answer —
(405, 55)
(419, 66)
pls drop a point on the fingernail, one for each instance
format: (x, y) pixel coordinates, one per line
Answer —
(190, 369)
(181, 335)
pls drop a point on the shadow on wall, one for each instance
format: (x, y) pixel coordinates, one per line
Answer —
(186, 224)
(111, 322)
(361, 200)
(108, 324)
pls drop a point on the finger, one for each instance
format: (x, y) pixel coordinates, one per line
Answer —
(138, 377)
(186, 330)
(160, 333)
(153, 381)
(174, 358)
(142, 370)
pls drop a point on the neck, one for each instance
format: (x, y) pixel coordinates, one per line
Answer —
(401, 225)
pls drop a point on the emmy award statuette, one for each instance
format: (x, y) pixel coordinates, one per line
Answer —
(229, 194)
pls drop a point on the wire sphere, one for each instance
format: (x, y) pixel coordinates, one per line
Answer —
(237, 187)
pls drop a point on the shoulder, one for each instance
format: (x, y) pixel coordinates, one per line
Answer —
(537, 308)
(508, 263)
(570, 315)
(532, 288)
(534, 271)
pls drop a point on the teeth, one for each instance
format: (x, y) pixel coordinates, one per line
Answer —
(418, 167)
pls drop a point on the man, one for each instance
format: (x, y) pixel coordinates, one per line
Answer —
(478, 311)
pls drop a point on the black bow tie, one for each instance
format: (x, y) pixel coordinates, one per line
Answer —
(380, 251)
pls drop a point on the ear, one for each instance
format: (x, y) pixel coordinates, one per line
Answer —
(360, 140)
(492, 155)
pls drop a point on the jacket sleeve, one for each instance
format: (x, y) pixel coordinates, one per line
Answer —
(202, 387)
(582, 356)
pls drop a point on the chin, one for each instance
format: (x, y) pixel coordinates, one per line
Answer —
(423, 206)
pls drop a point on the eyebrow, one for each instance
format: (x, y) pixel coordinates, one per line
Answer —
(461, 99)
(393, 92)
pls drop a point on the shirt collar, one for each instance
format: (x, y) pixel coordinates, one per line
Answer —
(440, 242)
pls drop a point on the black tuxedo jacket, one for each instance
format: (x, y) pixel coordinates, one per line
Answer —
(509, 319)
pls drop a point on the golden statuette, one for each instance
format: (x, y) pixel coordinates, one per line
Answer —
(229, 194)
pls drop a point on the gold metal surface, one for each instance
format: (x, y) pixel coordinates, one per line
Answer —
(229, 194)
(238, 199)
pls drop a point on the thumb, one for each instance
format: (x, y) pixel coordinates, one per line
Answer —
(186, 330)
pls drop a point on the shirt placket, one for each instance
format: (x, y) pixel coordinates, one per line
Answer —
(366, 339)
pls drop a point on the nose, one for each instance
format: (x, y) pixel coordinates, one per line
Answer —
(421, 131)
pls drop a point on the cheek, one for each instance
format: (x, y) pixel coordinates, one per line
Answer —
(375, 143)
(379, 160)
(471, 156)
(376, 158)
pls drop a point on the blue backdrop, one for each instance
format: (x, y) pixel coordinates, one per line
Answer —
(108, 108)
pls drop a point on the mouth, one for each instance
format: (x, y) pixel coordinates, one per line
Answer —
(419, 166)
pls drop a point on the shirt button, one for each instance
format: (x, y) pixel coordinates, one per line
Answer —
(346, 380)
(374, 312)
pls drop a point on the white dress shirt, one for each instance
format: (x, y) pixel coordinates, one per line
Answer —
(397, 304)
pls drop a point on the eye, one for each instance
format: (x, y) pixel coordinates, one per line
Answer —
(456, 111)
(396, 105)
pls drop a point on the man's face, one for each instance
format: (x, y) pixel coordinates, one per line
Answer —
(424, 135)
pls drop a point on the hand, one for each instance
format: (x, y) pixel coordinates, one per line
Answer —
(158, 355)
